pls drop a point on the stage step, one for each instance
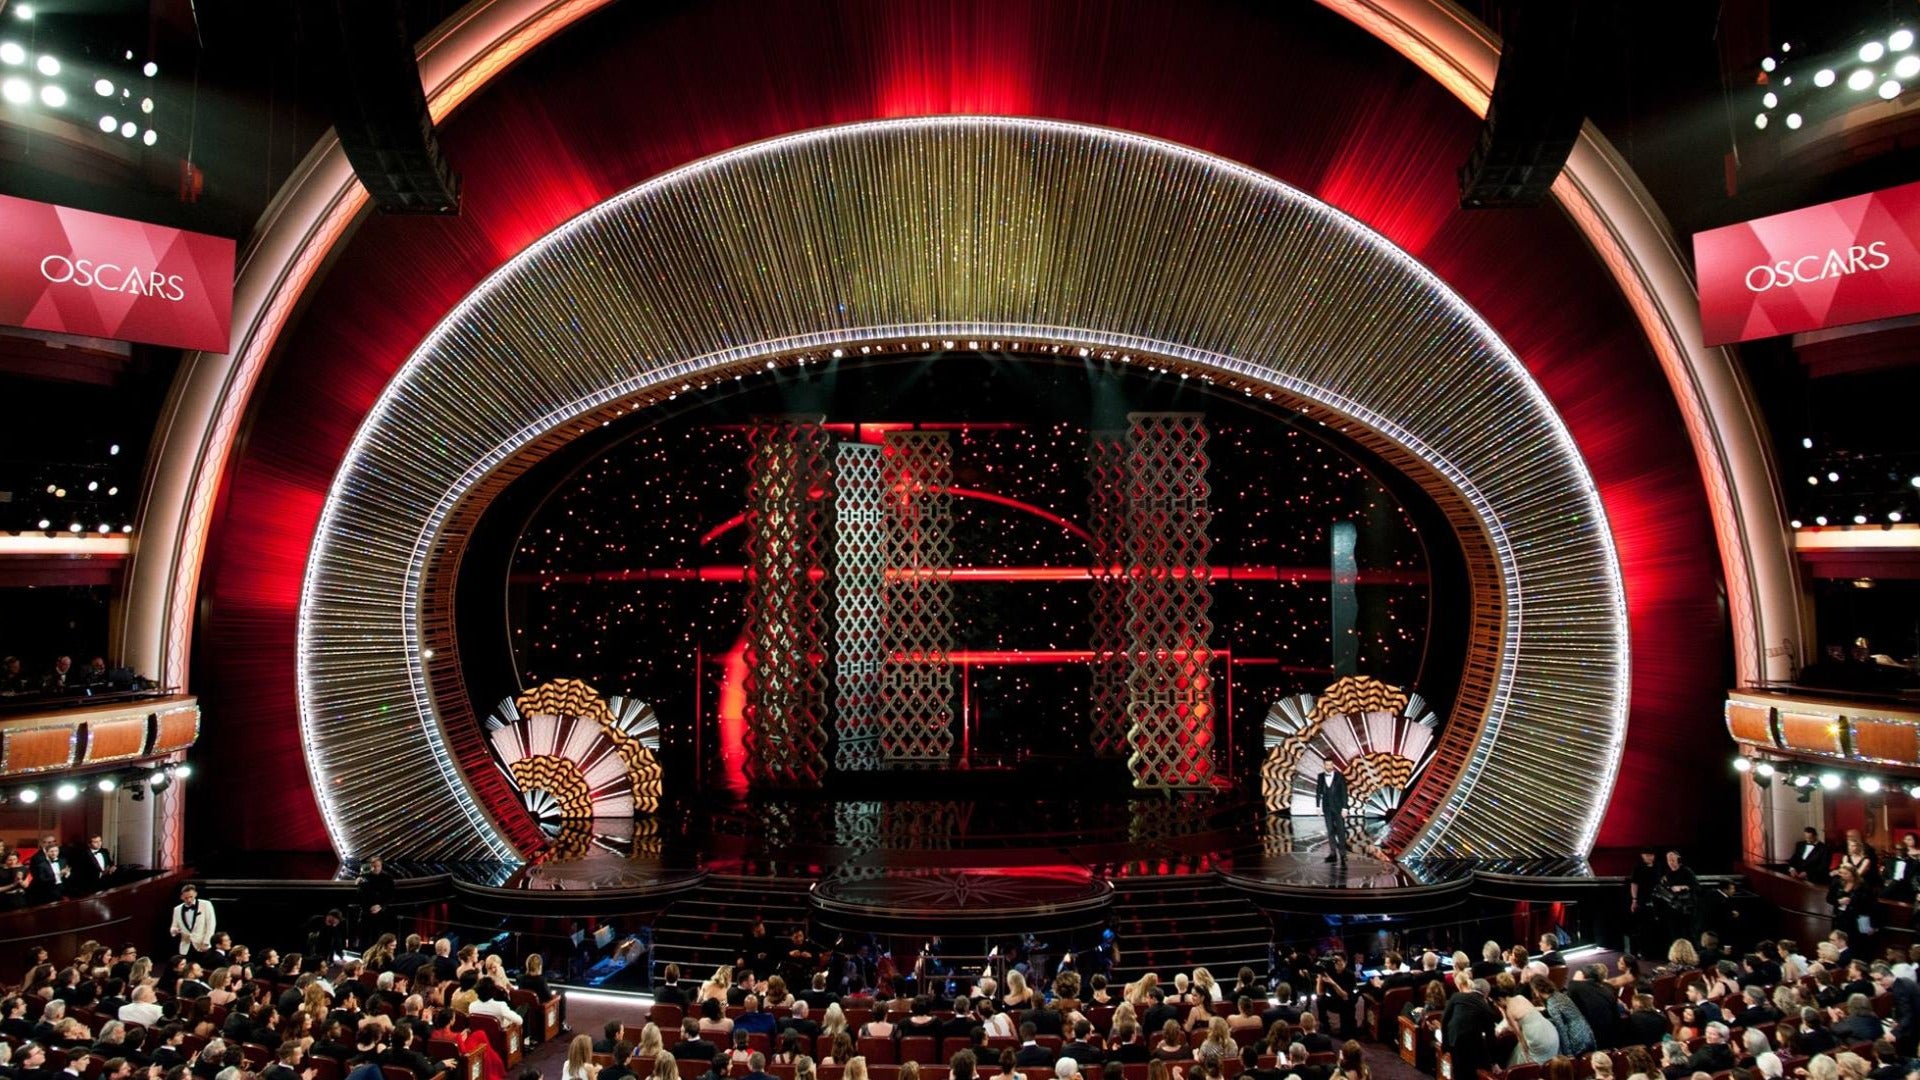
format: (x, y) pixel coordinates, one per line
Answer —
(1171, 925)
(701, 931)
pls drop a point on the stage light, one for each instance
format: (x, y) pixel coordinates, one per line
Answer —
(93, 485)
(114, 449)
(1813, 481)
(1834, 476)
(1821, 520)
(1768, 64)
(23, 11)
(149, 138)
(1859, 519)
(47, 65)
(1860, 80)
(29, 795)
(1770, 100)
(1870, 785)
(1793, 121)
(67, 791)
(1894, 516)
(146, 105)
(104, 529)
(103, 87)
(1823, 77)
(1764, 769)
(74, 527)
(1871, 52)
(127, 129)
(1914, 792)
(150, 70)
(1760, 121)
(113, 491)
(1914, 482)
(45, 524)
(1795, 523)
(108, 123)
(59, 493)
(12, 54)
(16, 91)
(1743, 764)
(1801, 780)
(1889, 90)
(1900, 41)
(106, 784)
(1829, 781)
(183, 770)
(1907, 67)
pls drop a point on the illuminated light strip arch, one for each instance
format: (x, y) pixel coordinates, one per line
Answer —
(195, 437)
(512, 371)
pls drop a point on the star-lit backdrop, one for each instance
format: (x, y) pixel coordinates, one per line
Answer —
(593, 596)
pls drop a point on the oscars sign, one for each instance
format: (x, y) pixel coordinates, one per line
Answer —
(1842, 262)
(91, 275)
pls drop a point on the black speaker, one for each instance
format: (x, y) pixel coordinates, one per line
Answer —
(367, 66)
(1534, 117)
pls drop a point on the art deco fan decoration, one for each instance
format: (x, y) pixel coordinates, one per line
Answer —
(575, 757)
(1379, 736)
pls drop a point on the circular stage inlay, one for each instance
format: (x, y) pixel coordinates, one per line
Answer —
(951, 899)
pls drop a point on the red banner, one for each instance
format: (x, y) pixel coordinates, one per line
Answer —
(92, 275)
(1842, 262)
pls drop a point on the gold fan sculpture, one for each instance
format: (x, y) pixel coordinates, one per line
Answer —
(575, 757)
(1379, 736)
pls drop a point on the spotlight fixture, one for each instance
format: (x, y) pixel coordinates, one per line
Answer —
(1914, 792)
(1764, 768)
(54, 97)
(45, 524)
(1900, 41)
(16, 91)
(1871, 52)
(1906, 67)
(1833, 477)
(23, 12)
(1795, 523)
(1823, 78)
(150, 69)
(1806, 442)
(149, 137)
(1801, 780)
(129, 129)
(103, 87)
(107, 785)
(1830, 781)
(29, 795)
(1743, 763)
(182, 771)
(47, 65)
(1860, 79)
(1869, 785)
(1760, 121)
(1820, 520)
(1794, 121)
(1770, 99)
(158, 781)
(108, 124)
(67, 791)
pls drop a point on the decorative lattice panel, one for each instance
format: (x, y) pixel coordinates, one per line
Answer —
(1168, 600)
(1107, 595)
(916, 684)
(860, 580)
(789, 485)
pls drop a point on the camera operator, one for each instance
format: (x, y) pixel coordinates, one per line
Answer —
(1333, 988)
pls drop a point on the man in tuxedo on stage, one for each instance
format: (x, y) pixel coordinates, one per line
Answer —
(192, 921)
(1330, 794)
(94, 869)
(50, 871)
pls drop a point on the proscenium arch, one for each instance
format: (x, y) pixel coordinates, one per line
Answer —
(1027, 233)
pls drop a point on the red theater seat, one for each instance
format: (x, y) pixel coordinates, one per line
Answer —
(877, 1051)
(920, 1049)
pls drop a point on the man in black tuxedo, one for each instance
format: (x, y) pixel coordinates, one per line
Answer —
(670, 991)
(1597, 1003)
(961, 1025)
(1159, 1012)
(1081, 1049)
(1330, 795)
(1466, 1027)
(818, 996)
(1906, 1008)
(691, 1047)
(1045, 1019)
(1031, 1054)
(374, 892)
(50, 872)
(94, 869)
(1812, 860)
(13, 1018)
